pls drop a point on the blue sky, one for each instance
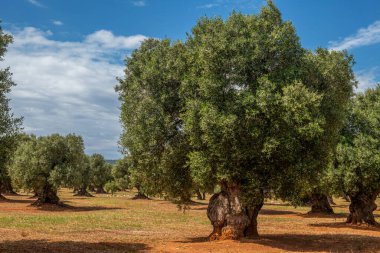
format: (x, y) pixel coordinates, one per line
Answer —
(67, 53)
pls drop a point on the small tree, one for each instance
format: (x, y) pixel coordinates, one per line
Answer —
(101, 172)
(121, 174)
(9, 125)
(111, 187)
(357, 170)
(42, 164)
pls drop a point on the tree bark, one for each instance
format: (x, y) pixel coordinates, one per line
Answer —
(320, 204)
(204, 196)
(362, 207)
(227, 214)
(47, 195)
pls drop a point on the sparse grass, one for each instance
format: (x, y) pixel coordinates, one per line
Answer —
(118, 224)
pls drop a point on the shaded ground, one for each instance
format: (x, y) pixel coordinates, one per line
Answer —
(119, 224)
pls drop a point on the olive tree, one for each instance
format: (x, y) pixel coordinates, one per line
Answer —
(43, 164)
(239, 105)
(101, 172)
(357, 170)
(9, 124)
(153, 137)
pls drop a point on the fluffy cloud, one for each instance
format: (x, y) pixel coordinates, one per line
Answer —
(140, 3)
(68, 87)
(57, 22)
(363, 37)
(366, 79)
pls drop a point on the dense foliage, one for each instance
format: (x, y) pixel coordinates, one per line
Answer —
(357, 170)
(9, 125)
(239, 105)
(101, 172)
(43, 164)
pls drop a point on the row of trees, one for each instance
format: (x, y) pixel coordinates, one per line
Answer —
(242, 107)
(43, 164)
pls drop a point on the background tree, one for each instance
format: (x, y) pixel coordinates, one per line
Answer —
(248, 117)
(121, 174)
(153, 137)
(101, 172)
(357, 170)
(9, 125)
(42, 164)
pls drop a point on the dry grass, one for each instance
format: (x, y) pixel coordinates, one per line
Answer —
(118, 224)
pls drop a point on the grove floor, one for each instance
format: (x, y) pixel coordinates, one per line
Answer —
(116, 223)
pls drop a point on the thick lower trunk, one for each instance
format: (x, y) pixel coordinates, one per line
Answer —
(361, 209)
(83, 192)
(91, 188)
(7, 187)
(100, 190)
(48, 195)
(320, 204)
(251, 231)
(227, 214)
(201, 195)
(140, 195)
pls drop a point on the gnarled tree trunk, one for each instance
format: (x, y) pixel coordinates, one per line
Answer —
(320, 204)
(140, 194)
(47, 195)
(6, 187)
(362, 207)
(82, 191)
(227, 214)
(200, 195)
(253, 212)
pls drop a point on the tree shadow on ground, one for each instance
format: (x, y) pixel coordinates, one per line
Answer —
(41, 246)
(25, 201)
(311, 243)
(322, 215)
(275, 212)
(322, 242)
(344, 225)
(62, 207)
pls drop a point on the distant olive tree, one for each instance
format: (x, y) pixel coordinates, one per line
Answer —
(100, 172)
(43, 164)
(357, 170)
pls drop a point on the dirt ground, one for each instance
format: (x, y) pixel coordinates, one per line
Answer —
(107, 223)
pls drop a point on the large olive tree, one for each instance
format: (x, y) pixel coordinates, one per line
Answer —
(239, 105)
(357, 170)
(9, 125)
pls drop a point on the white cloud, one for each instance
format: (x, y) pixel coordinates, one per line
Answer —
(106, 39)
(65, 86)
(36, 3)
(363, 37)
(366, 79)
(57, 22)
(208, 6)
(140, 3)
